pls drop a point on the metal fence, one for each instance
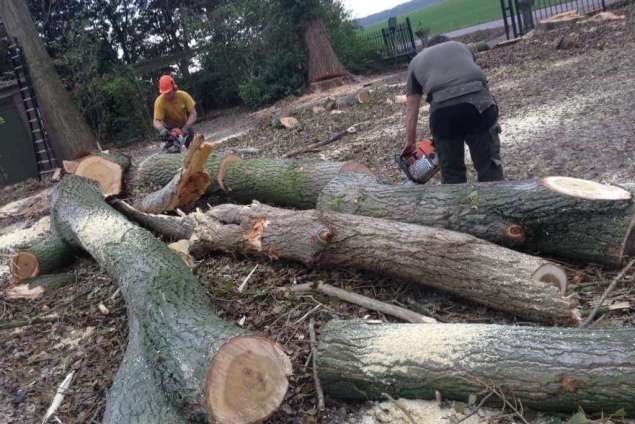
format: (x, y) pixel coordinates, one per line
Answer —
(520, 16)
(393, 42)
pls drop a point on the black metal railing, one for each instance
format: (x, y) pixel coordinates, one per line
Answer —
(391, 43)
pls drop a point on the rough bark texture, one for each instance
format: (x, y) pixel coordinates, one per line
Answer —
(446, 260)
(70, 134)
(173, 334)
(288, 183)
(46, 256)
(523, 215)
(323, 62)
(552, 369)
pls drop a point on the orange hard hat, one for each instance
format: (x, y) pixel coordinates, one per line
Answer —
(166, 84)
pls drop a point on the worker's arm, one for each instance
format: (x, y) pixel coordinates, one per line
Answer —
(191, 119)
(159, 115)
(413, 102)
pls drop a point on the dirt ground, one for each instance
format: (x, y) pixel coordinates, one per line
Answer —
(563, 112)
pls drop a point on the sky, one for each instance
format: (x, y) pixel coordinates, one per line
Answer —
(361, 8)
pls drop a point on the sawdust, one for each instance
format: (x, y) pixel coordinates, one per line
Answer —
(423, 412)
(433, 345)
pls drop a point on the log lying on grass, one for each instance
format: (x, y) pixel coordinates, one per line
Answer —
(187, 186)
(286, 183)
(565, 217)
(463, 265)
(549, 369)
(203, 365)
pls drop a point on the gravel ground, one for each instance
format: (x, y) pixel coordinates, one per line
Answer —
(567, 112)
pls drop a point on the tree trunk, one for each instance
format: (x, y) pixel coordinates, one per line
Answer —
(323, 62)
(564, 217)
(203, 366)
(287, 183)
(550, 369)
(460, 264)
(70, 134)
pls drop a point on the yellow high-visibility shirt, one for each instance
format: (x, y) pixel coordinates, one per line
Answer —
(174, 113)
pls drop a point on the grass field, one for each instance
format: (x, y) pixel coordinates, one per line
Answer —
(450, 15)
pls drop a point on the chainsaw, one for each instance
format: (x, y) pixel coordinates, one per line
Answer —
(425, 165)
(175, 142)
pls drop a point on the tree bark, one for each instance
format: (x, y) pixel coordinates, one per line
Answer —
(323, 61)
(70, 134)
(286, 183)
(550, 369)
(525, 215)
(203, 366)
(460, 264)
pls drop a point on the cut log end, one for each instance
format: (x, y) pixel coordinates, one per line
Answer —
(24, 265)
(551, 274)
(108, 174)
(584, 189)
(247, 381)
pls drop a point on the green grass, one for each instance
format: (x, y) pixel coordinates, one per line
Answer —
(450, 15)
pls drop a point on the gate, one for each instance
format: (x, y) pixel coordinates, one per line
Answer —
(521, 16)
(394, 42)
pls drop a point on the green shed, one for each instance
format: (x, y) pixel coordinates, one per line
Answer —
(17, 157)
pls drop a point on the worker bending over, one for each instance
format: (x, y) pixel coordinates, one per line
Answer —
(174, 114)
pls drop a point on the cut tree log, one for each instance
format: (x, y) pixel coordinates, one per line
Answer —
(186, 186)
(548, 369)
(460, 264)
(286, 183)
(106, 168)
(46, 256)
(203, 366)
(564, 217)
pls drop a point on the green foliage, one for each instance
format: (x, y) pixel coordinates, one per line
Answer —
(579, 418)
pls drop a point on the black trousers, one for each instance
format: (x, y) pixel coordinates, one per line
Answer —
(453, 126)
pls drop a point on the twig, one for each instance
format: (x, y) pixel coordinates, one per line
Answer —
(305, 316)
(401, 408)
(363, 301)
(243, 285)
(316, 378)
(476, 408)
(331, 139)
(25, 323)
(59, 396)
(608, 290)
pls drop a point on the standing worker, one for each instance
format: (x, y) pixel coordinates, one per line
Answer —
(174, 113)
(462, 110)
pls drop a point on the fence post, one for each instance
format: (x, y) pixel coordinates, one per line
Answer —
(412, 38)
(504, 12)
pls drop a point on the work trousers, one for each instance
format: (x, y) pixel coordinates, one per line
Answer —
(455, 125)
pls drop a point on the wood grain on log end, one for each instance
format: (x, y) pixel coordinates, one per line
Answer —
(585, 189)
(108, 174)
(247, 380)
(554, 275)
(24, 265)
(190, 190)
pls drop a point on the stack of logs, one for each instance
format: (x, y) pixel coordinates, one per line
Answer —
(474, 241)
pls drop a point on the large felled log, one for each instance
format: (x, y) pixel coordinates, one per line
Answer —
(551, 369)
(457, 263)
(287, 183)
(564, 217)
(187, 186)
(107, 169)
(43, 257)
(203, 365)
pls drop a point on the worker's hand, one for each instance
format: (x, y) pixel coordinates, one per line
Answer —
(408, 154)
(164, 133)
